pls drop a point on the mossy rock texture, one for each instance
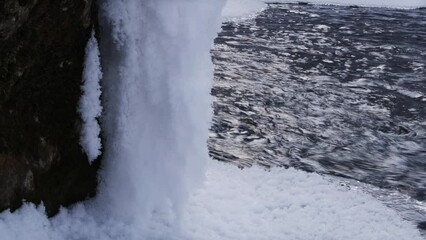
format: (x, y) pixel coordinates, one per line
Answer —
(42, 45)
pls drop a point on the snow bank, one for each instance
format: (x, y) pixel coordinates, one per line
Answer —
(90, 104)
(241, 9)
(372, 3)
(287, 204)
(249, 204)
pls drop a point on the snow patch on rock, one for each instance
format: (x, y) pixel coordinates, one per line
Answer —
(90, 107)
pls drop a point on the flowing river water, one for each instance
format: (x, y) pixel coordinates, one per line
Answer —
(339, 90)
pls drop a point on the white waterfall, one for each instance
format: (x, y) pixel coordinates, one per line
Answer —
(157, 80)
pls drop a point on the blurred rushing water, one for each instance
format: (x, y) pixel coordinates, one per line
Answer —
(331, 89)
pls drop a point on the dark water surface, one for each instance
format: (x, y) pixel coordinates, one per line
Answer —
(331, 89)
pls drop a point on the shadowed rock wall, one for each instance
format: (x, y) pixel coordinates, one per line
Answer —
(42, 46)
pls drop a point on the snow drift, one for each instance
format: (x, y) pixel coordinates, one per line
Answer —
(250, 204)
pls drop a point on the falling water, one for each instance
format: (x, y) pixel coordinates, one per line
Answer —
(157, 81)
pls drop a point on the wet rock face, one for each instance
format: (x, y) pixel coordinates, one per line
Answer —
(41, 61)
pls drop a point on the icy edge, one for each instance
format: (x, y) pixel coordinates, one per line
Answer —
(90, 107)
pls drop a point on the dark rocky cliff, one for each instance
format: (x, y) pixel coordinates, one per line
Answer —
(41, 61)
